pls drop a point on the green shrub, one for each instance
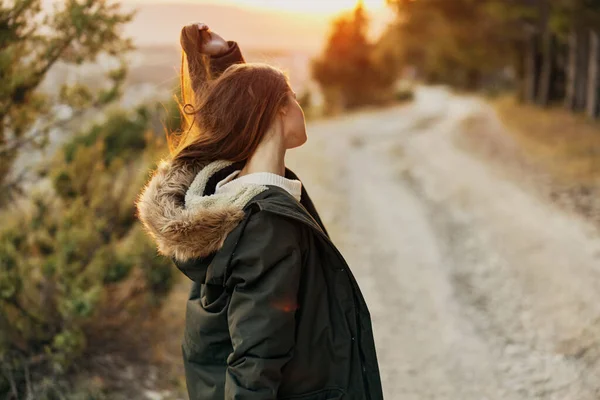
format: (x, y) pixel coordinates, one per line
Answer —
(157, 269)
(62, 260)
(122, 134)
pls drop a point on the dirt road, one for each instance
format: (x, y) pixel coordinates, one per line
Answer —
(477, 288)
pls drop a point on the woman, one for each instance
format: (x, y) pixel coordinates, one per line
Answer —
(274, 311)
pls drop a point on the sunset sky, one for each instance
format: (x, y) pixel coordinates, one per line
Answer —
(322, 7)
(282, 24)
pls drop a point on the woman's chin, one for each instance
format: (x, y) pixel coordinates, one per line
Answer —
(298, 142)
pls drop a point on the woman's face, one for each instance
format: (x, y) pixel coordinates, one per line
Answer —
(294, 127)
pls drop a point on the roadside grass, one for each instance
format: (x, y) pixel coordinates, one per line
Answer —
(552, 151)
(566, 145)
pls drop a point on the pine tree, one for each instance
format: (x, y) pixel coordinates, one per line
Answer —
(34, 39)
(348, 72)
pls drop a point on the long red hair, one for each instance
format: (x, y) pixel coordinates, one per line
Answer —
(225, 117)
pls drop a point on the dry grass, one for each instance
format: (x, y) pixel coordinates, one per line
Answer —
(551, 151)
(565, 144)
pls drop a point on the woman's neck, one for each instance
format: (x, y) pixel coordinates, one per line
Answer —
(268, 157)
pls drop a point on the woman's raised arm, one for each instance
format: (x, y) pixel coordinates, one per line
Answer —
(205, 56)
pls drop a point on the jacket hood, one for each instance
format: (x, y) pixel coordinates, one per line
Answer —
(180, 211)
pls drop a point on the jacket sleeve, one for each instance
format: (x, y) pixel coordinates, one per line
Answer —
(265, 276)
(219, 63)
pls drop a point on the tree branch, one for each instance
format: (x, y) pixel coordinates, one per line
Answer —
(10, 147)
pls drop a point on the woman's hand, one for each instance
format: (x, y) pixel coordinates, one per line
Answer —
(212, 43)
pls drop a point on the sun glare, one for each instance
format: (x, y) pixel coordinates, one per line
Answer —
(310, 6)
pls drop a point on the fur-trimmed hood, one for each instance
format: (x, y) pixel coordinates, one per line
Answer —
(181, 213)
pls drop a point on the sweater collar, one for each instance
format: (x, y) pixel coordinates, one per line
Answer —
(233, 183)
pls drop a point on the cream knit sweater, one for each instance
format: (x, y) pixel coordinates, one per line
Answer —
(293, 186)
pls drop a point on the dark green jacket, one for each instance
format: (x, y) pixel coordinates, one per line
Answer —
(274, 311)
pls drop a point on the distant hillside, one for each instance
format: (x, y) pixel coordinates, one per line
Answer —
(160, 24)
(158, 65)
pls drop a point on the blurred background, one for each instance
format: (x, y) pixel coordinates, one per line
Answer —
(453, 153)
